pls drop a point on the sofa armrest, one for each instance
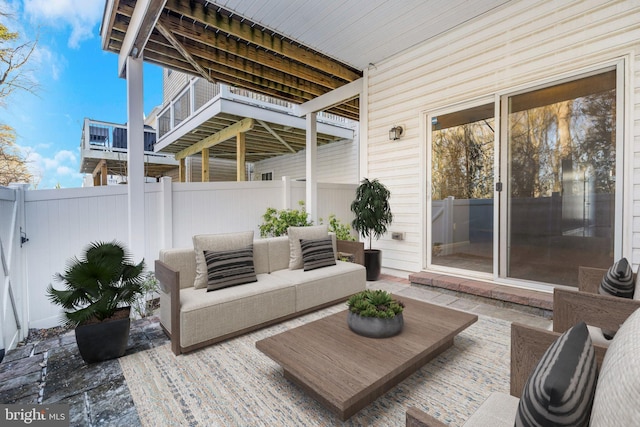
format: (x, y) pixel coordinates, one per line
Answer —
(417, 418)
(602, 311)
(169, 280)
(528, 344)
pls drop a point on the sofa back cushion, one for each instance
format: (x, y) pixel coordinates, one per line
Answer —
(261, 256)
(216, 242)
(618, 390)
(278, 253)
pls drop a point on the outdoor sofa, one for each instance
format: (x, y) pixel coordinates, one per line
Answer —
(194, 316)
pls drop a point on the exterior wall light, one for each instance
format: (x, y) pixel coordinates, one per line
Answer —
(395, 132)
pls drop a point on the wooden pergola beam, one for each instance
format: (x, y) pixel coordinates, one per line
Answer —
(100, 171)
(205, 165)
(182, 171)
(241, 148)
(229, 132)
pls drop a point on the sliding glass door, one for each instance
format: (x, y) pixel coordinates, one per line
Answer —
(561, 179)
(462, 174)
(551, 173)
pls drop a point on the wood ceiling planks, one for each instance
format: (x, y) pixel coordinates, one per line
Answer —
(200, 38)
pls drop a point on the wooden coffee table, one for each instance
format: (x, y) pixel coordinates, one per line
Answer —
(345, 371)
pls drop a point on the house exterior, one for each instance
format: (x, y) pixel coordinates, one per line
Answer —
(203, 108)
(517, 157)
(103, 154)
(543, 54)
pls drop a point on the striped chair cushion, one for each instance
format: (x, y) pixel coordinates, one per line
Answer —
(617, 282)
(229, 268)
(317, 253)
(560, 390)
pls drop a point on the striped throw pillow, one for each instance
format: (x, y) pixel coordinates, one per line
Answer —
(317, 253)
(229, 268)
(617, 282)
(560, 390)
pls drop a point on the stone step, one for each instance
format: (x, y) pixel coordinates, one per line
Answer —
(526, 300)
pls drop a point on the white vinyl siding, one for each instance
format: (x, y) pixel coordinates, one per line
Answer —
(515, 46)
(219, 169)
(172, 85)
(336, 162)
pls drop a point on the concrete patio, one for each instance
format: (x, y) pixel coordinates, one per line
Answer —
(51, 370)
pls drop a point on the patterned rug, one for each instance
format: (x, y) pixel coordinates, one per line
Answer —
(234, 384)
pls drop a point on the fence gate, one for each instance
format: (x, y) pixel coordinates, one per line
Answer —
(12, 280)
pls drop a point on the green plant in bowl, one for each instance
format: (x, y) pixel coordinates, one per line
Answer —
(375, 303)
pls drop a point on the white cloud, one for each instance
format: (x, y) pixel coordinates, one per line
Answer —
(81, 15)
(64, 163)
(46, 57)
(65, 170)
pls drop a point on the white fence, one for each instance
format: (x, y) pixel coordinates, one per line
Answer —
(60, 223)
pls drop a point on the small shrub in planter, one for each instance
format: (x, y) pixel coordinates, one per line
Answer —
(375, 314)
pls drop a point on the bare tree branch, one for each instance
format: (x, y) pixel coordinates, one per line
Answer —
(13, 59)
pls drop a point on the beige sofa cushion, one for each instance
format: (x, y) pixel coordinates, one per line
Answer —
(297, 233)
(499, 410)
(316, 287)
(207, 315)
(278, 253)
(261, 255)
(618, 389)
(216, 242)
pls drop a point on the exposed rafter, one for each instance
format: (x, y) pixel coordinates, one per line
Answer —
(276, 136)
(183, 51)
(201, 38)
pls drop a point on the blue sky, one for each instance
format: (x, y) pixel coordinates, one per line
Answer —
(76, 79)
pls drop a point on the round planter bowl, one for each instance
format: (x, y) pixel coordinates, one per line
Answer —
(374, 327)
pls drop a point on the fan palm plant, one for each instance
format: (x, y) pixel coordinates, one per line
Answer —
(97, 284)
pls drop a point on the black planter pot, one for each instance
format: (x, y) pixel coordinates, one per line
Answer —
(373, 263)
(105, 340)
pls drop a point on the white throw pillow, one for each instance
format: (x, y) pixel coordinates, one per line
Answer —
(297, 233)
(216, 242)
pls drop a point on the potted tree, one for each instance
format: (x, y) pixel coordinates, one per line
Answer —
(372, 217)
(100, 287)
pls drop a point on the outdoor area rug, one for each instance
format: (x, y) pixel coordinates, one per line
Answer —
(234, 384)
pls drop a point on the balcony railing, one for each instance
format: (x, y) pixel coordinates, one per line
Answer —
(105, 136)
(198, 93)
